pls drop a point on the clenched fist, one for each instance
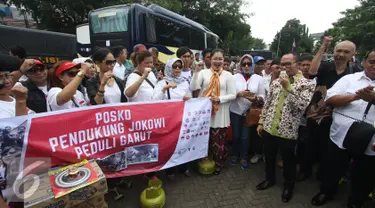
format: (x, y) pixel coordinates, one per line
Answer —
(20, 92)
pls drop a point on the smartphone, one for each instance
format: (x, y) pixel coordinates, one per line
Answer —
(283, 74)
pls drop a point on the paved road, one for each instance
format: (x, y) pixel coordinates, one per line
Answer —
(233, 188)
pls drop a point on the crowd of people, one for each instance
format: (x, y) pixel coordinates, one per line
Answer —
(308, 110)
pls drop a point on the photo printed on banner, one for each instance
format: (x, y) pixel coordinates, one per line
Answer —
(115, 162)
(12, 136)
(140, 154)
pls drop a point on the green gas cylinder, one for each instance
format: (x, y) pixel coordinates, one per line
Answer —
(153, 196)
(206, 166)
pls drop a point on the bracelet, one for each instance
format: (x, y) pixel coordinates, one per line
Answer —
(100, 94)
(21, 71)
(101, 91)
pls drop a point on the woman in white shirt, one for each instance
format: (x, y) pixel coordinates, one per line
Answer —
(64, 80)
(220, 86)
(250, 87)
(104, 87)
(173, 86)
(140, 83)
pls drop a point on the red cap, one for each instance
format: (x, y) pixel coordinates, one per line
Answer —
(38, 62)
(65, 66)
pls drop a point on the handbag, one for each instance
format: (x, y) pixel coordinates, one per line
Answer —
(253, 115)
(359, 134)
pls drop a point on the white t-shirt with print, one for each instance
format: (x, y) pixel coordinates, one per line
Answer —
(187, 75)
(145, 91)
(78, 97)
(112, 94)
(8, 109)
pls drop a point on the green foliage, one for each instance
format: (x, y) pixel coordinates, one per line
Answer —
(258, 44)
(357, 25)
(223, 17)
(293, 30)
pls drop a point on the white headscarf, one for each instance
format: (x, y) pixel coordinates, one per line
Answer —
(168, 71)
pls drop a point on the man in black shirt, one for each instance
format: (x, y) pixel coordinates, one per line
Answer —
(318, 115)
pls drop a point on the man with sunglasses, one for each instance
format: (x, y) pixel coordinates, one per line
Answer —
(37, 87)
(288, 99)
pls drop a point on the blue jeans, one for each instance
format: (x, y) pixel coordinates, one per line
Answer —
(240, 136)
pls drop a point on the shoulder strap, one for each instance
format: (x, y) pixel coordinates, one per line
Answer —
(74, 102)
(367, 110)
(168, 93)
(148, 81)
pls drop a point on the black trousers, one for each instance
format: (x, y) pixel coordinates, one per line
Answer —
(287, 148)
(362, 176)
(315, 145)
(256, 143)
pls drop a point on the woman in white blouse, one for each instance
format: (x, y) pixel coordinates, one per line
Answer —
(250, 87)
(140, 83)
(220, 86)
(174, 86)
(64, 81)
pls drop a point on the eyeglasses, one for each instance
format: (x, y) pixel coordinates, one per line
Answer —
(72, 73)
(287, 64)
(7, 76)
(245, 64)
(110, 62)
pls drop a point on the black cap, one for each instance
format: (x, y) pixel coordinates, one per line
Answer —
(9, 63)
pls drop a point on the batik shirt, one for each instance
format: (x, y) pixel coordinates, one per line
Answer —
(283, 109)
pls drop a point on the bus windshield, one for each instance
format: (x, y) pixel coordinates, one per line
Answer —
(109, 20)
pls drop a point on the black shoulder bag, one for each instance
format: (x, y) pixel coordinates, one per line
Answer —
(359, 134)
(147, 80)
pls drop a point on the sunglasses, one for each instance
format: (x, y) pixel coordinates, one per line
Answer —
(36, 70)
(246, 64)
(177, 65)
(110, 62)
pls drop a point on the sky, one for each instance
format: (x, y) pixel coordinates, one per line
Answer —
(271, 15)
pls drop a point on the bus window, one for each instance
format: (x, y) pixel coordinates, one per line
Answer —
(196, 39)
(110, 20)
(212, 41)
(167, 32)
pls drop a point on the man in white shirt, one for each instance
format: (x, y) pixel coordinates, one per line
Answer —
(120, 53)
(11, 106)
(350, 96)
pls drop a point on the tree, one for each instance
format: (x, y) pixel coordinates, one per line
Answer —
(356, 25)
(223, 17)
(258, 44)
(292, 31)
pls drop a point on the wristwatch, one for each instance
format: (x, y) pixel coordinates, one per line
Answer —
(80, 74)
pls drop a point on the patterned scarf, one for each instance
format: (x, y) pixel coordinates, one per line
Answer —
(213, 89)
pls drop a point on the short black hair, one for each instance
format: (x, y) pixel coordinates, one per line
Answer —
(181, 51)
(369, 52)
(307, 57)
(275, 62)
(100, 54)
(18, 51)
(205, 51)
(227, 59)
(117, 51)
